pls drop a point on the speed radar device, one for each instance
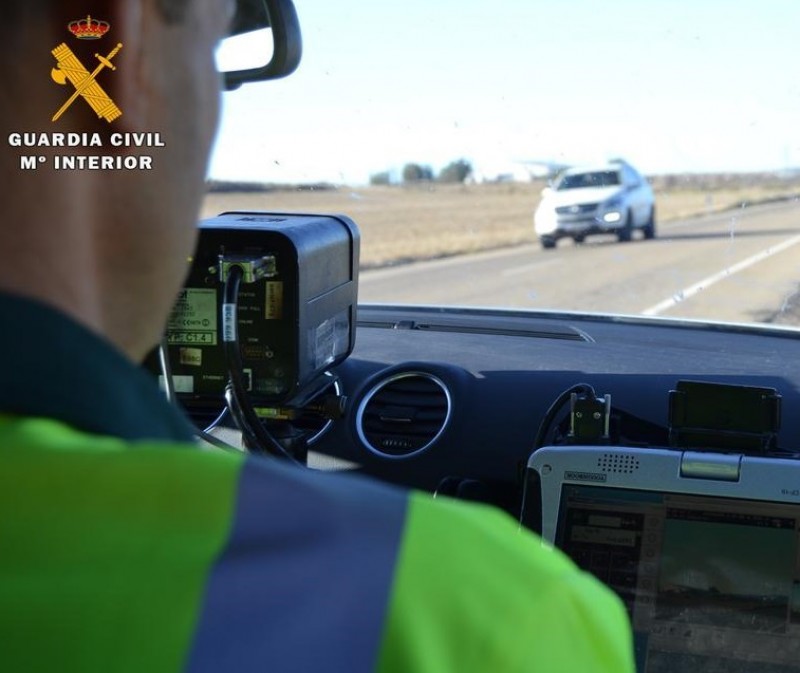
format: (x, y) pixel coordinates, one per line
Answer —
(281, 289)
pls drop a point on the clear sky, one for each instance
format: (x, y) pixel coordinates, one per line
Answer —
(670, 85)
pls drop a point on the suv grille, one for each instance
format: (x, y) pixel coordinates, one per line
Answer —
(580, 209)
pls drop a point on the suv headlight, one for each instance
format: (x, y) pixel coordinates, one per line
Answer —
(544, 220)
(613, 209)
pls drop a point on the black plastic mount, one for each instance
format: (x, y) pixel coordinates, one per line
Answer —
(716, 416)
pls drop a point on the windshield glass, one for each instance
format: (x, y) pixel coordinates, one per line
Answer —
(581, 180)
(437, 126)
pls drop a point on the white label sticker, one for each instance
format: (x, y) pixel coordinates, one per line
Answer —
(228, 322)
(182, 384)
(329, 340)
(193, 321)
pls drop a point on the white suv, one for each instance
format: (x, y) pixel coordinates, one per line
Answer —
(611, 198)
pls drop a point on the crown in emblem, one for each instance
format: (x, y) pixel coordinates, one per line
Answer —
(88, 28)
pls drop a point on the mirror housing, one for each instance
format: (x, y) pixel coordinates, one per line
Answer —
(280, 17)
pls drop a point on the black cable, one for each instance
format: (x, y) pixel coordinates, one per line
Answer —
(166, 372)
(242, 410)
(172, 398)
(555, 407)
(217, 420)
(215, 441)
(207, 437)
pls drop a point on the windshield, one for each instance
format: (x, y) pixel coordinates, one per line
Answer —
(582, 180)
(437, 126)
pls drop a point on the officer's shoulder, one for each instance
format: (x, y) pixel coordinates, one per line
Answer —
(450, 530)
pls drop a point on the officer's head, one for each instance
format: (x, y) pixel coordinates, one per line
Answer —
(107, 245)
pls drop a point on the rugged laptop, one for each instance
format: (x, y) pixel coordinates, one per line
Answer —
(702, 548)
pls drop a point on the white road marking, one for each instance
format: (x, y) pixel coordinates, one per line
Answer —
(692, 290)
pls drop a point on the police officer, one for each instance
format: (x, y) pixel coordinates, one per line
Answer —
(125, 547)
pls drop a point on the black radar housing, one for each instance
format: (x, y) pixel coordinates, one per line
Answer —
(295, 310)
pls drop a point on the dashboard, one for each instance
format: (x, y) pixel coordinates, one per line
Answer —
(451, 400)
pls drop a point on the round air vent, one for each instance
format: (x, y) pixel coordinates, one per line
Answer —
(403, 415)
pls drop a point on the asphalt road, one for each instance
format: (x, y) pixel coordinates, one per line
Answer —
(740, 266)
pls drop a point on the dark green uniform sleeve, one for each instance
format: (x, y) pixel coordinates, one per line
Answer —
(474, 593)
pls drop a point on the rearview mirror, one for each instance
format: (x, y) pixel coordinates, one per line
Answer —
(264, 43)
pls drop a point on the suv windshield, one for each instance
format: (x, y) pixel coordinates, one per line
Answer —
(594, 179)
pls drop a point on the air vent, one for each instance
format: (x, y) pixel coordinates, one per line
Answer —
(620, 463)
(403, 415)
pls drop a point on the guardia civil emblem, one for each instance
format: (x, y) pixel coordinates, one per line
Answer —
(70, 69)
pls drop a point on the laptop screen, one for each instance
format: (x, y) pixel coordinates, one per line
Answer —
(710, 583)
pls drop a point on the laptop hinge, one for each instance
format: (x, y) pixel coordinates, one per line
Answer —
(715, 466)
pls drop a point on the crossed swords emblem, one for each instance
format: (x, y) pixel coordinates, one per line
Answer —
(85, 83)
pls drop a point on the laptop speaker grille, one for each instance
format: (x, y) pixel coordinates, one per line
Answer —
(619, 463)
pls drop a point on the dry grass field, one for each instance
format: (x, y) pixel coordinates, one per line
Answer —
(427, 221)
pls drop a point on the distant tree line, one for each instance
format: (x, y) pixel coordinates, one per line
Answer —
(225, 186)
(412, 173)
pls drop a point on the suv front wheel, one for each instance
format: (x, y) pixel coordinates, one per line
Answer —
(649, 229)
(626, 232)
